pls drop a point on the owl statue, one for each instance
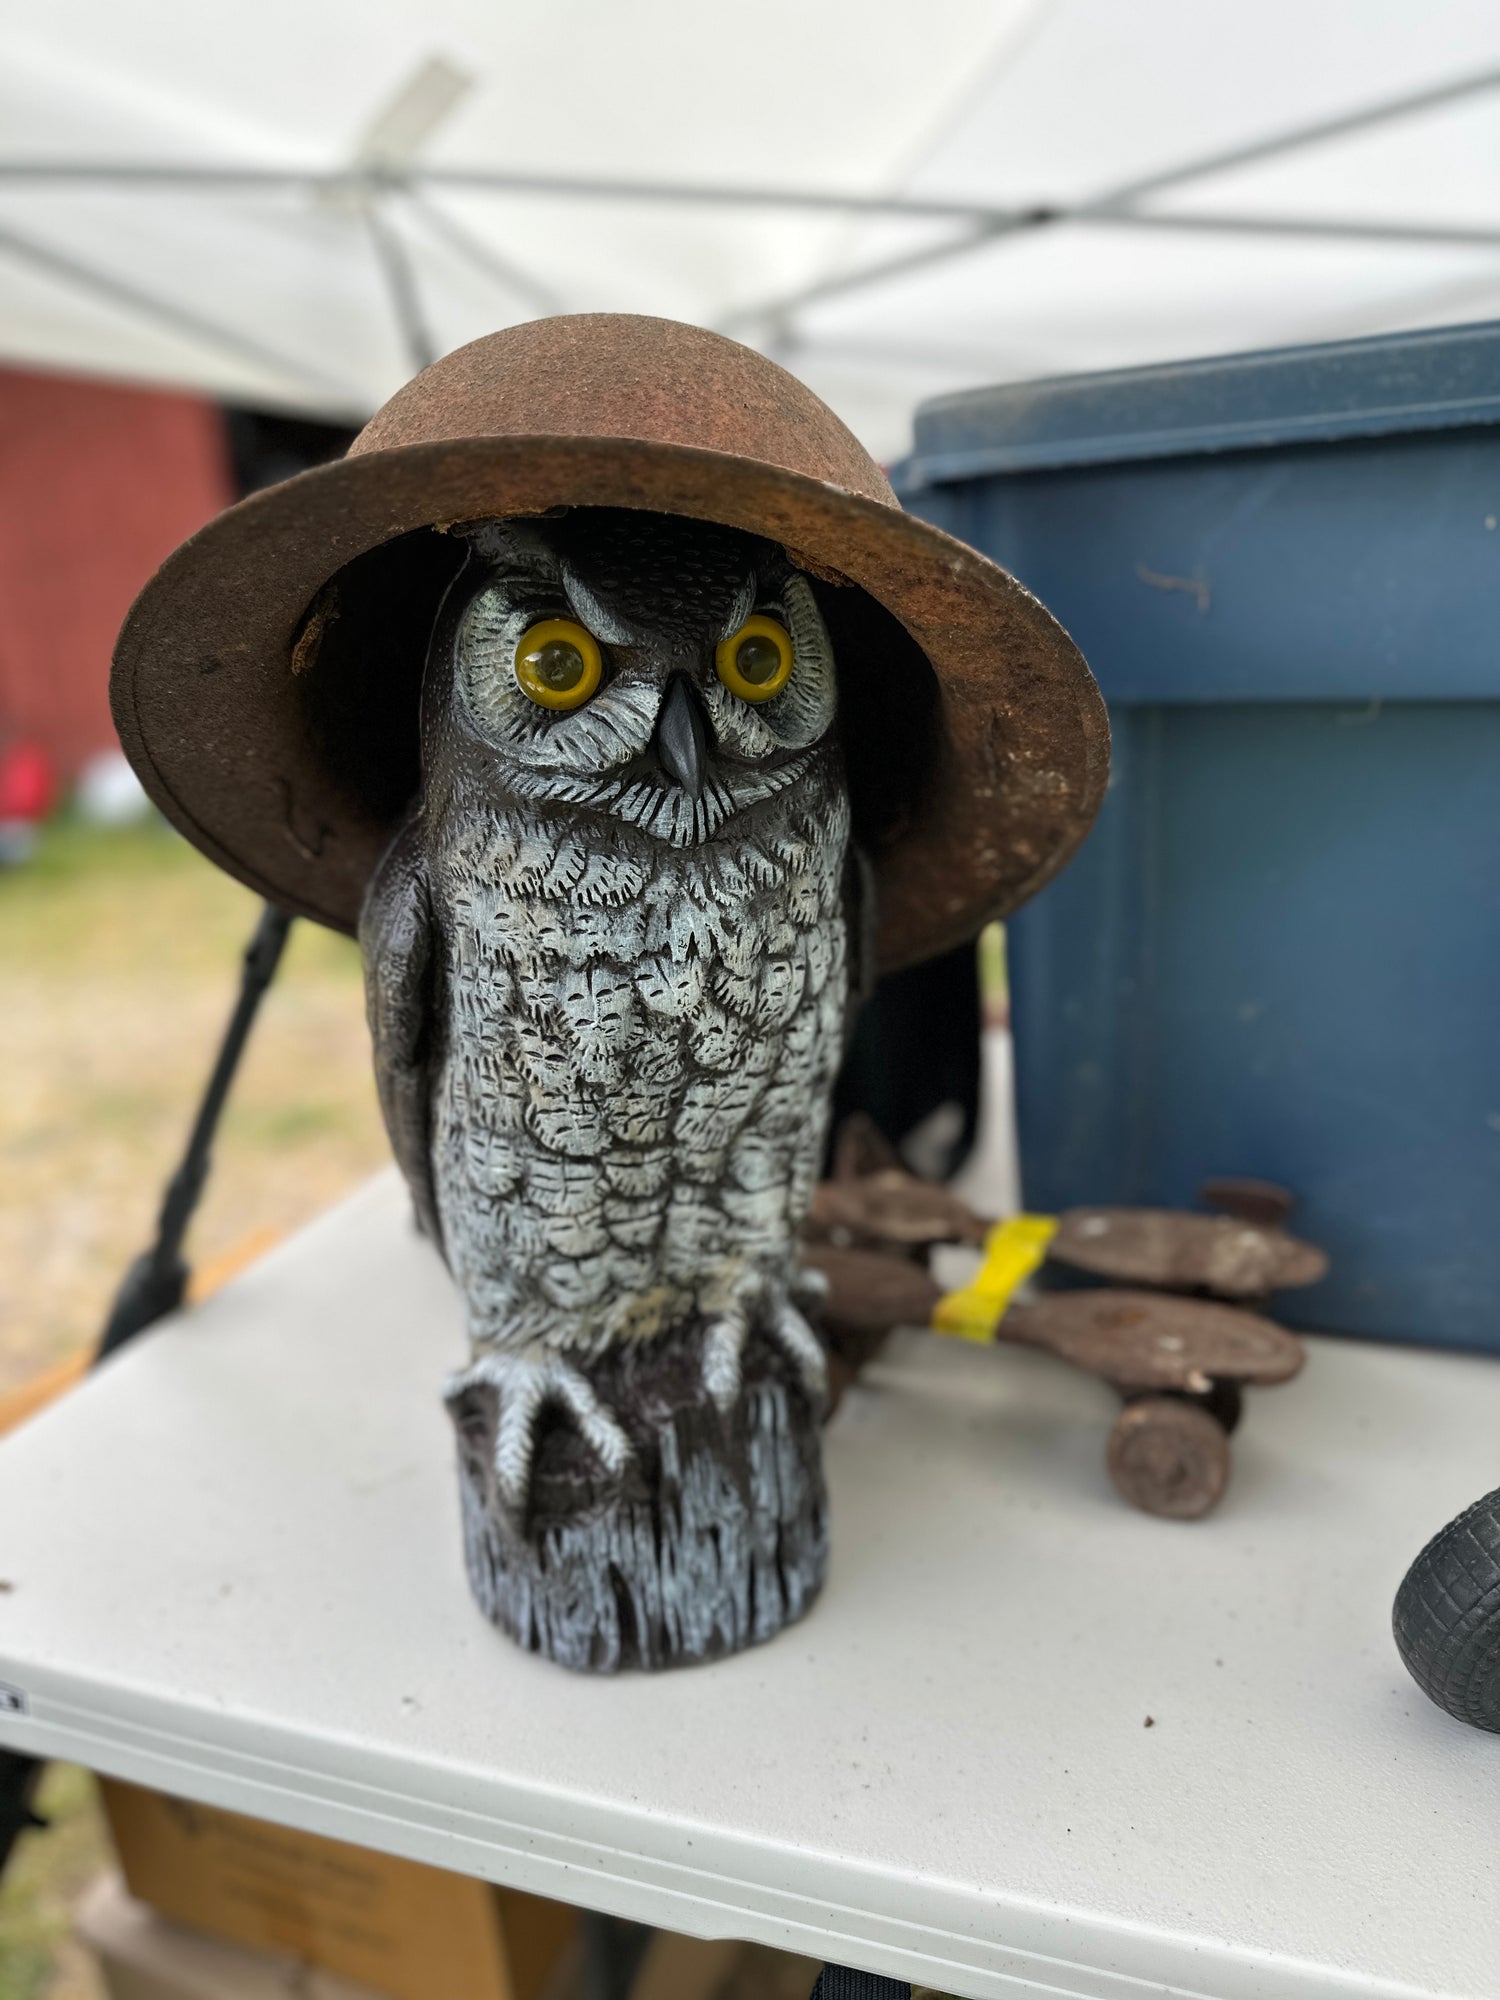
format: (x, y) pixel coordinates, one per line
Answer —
(609, 962)
(606, 693)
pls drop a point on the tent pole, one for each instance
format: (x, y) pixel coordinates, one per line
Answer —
(510, 277)
(177, 319)
(401, 284)
(1111, 204)
(1323, 227)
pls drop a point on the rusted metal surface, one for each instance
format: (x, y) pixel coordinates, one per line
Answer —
(1150, 1340)
(1182, 1252)
(1137, 1340)
(294, 781)
(1168, 1457)
(1265, 1202)
(1181, 1364)
(870, 1292)
(872, 1200)
(893, 1207)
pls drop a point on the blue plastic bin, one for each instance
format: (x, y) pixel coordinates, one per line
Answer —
(1279, 951)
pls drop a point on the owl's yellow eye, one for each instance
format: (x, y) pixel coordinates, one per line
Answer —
(756, 661)
(558, 663)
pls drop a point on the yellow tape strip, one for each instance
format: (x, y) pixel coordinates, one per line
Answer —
(1012, 1251)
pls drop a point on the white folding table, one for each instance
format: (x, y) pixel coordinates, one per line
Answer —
(1028, 1743)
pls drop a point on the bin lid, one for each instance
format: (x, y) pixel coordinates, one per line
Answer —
(1433, 380)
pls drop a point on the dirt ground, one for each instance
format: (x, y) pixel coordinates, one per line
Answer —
(118, 963)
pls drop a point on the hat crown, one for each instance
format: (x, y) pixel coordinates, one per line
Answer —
(266, 685)
(623, 375)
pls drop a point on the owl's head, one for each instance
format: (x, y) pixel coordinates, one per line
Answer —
(666, 673)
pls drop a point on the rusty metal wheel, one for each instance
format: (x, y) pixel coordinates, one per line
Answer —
(1169, 1457)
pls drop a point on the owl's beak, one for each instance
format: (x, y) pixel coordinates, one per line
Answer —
(681, 745)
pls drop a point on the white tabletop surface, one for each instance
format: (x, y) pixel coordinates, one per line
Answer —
(235, 1574)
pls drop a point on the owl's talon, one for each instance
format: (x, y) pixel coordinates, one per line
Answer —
(724, 1353)
(797, 1340)
(524, 1386)
(723, 1356)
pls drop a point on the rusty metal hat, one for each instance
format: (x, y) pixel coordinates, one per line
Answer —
(266, 683)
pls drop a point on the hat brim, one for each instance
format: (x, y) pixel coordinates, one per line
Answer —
(212, 716)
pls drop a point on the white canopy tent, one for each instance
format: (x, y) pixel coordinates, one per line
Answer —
(292, 203)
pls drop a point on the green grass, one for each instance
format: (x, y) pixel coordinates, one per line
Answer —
(135, 898)
(47, 1873)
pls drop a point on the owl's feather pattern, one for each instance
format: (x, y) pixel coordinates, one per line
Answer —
(608, 1012)
(630, 1117)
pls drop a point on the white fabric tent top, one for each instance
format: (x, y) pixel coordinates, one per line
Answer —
(292, 205)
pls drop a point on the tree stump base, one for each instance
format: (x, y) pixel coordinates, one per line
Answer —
(715, 1540)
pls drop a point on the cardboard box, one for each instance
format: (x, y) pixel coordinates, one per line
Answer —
(402, 1929)
(684, 1968)
(143, 1957)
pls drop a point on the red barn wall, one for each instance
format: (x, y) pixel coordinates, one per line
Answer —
(98, 484)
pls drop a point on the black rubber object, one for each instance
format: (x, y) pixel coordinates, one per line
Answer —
(1447, 1616)
(837, 1982)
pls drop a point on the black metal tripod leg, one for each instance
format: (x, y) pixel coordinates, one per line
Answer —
(612, 1952)
(154, 1284)
(837, 1982)
(19, 1777)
